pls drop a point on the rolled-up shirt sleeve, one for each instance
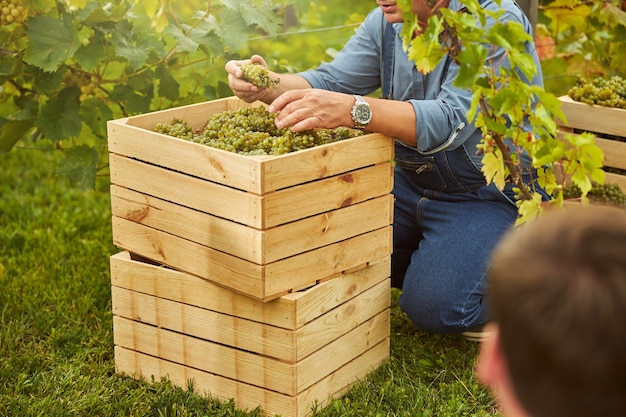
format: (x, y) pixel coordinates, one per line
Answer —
(440, 107)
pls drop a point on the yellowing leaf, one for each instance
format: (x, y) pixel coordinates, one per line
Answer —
(493, 168)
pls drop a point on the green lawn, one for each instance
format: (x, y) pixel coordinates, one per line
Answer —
(56, 339)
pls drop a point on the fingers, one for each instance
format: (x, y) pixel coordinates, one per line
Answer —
(240, 87)
(311, 109)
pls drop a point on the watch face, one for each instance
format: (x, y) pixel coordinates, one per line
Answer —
(362, 113)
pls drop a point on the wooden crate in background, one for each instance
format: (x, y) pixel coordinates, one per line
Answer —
(284, 355)
(263, 226)
(609, 127)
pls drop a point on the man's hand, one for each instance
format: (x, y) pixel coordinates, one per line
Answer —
(312, 109)
(245, 90)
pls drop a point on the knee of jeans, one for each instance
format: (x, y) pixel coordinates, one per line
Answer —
(440, 316)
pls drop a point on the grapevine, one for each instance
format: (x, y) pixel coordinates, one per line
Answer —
(258, 75)
(608, 92)
(251, 131)
(609, 194)
(12, 11)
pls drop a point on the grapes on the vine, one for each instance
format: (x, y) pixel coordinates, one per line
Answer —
(608, 92)
(12, 11)
(258, 75)
(251, 131)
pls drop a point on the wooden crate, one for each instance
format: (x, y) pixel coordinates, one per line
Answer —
(283, 355)
(260, 225)
(608, 125)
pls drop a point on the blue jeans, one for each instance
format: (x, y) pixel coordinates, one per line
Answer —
(446, 224)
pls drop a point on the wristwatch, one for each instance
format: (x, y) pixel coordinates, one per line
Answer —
(361, 112)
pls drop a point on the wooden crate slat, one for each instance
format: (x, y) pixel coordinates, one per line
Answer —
(192, 192)
(134, 137)
(598, 119)
(326, 160)
(321, 196)
(272, 210)
(263, 282)
(617, 179)
(607, 124)
(254, 245)
(247, 396)
(247, 367)
(614, 152)
(328, 261)
(244, 334)
(290, 311)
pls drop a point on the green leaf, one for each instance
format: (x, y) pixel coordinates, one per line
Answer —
(130, 99)
(472, 59)
(255, 14)
(426, 55)
(50, 41)
(95, 113)
(168, 86)
(79, 4)
(10, 67)
(60, 118)
(183, 41)
(79, 166)
(529, 209)
(231, 28)
(90, 56)
(46, 82)
(11, 131)
(135, 45)
(568, 13)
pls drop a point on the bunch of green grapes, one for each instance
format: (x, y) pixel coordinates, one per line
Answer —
(609, 194)
(178, 128)
(258, 75)
(12, 11)
(252, 131)
(608, 92)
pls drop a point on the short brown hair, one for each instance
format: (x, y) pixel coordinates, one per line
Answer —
(557, 290)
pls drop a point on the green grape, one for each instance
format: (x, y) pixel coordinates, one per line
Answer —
(12, 11)
(608, 92)
(609, 194)
(258, 75)
(252, 131)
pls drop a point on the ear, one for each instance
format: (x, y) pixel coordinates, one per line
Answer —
(491, 367)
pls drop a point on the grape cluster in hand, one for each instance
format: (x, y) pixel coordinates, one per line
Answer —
(609, 194)
(608, 92)
(258, 75)
(251, 131)
(12, 11)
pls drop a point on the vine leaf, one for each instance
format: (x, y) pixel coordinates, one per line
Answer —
(567, 14)
(79, 166)
(95, 113)
(60, 117)
(11, 131)
(135, 45)
(50, 41)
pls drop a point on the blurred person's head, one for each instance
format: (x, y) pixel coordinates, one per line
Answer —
(557, 295)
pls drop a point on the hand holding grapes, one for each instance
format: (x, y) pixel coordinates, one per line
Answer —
(242, 88)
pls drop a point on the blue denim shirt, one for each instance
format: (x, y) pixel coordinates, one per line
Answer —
(440, 107)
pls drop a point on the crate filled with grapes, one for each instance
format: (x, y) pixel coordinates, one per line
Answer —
(284, 355)
(209, 189)
(598, 106)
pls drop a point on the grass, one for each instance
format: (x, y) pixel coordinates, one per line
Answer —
(56, 339)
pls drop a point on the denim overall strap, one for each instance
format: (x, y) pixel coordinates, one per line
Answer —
(389, 38)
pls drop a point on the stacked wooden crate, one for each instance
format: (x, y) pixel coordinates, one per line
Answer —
(609, 127)
(264, 279)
